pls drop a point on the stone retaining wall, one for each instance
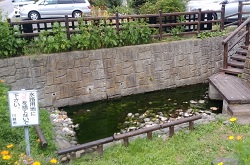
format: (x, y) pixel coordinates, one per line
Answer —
(83, 76)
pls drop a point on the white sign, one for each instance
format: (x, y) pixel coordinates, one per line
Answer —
(23, 108)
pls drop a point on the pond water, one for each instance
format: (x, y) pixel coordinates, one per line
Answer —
(102, 119)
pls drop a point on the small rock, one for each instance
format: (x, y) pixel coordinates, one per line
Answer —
(130, 114)
(64, 159)
(201, 101)
(214, 108)
(193, 102)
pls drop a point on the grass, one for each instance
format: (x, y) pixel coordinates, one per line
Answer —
(199, 147)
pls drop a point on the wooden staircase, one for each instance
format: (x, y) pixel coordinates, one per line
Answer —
(236, 62)
(228, 85)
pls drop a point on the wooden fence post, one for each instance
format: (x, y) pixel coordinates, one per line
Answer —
(117, 22)
(222, 17)
(199, 21)
(125, 140)
(171, 131)
(149, 135)
(247, 35)
(100, 149)
(191, 125)
(225, 56)
(160, 22)
(240, 13)
(67, 26)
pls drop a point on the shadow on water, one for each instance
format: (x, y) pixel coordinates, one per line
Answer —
(102, 118)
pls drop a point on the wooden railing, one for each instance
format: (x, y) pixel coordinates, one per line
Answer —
(239, 14)
(193, 23)
(125, 136)
(245, 35)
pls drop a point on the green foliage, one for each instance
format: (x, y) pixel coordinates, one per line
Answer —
(136, 4)
(10, 42)
(124, 10)
(166, 6)
(176, 31)
(113, 3)
(105, 35)
(109, 36)
(95, 37)
(103, 3)
(242, 151)
(81, 40)
(208, 34)
(57, 42)
(134, 33)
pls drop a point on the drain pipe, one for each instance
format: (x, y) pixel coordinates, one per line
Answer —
(41, 137)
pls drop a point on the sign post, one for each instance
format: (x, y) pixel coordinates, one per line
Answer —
(24, 111)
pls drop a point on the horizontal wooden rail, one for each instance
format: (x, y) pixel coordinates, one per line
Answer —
(194, 21)
(86, 145)
(235, 32)
(125, 136)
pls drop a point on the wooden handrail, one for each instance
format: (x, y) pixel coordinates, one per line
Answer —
(235, 32)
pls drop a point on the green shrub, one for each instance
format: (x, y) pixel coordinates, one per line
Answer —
(133, 33)
(124, 10)
(53, 43)
(95, 37)
(166, 6)
(10, 42)
(109, 36)
(81, 40)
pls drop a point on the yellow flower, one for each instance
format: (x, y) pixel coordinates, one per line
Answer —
(239, 137)
(36, 163)
(53, 161)
(38, 140)
(233, 119)
(2, 81)
(6, 157)
(16, 163)
(22, 155)
(10, 146)
(221, 163)
(4, 152)
(231, 137)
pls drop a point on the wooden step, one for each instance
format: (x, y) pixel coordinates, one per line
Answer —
(244, 47)
(233, 71)
(242, 51)
(239, 109)
(231, 88)
(236, 64)
(239, 57)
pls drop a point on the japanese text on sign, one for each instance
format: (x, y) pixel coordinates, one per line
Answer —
(23, 108)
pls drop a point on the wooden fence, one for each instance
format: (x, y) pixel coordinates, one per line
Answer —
(191, 22)
(125, 136)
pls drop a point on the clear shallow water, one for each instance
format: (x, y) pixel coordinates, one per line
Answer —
(103, 118)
